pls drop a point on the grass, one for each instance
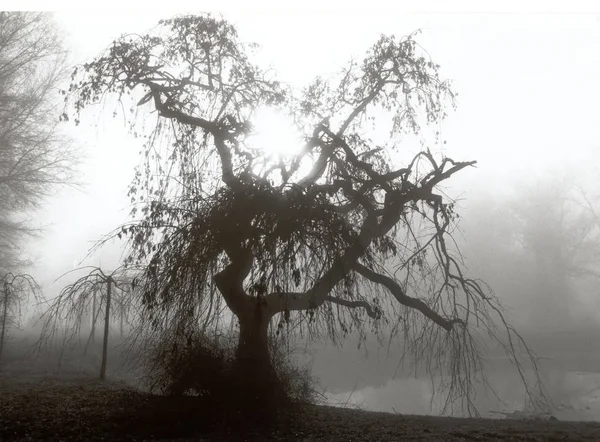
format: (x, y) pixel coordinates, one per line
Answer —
(40, 403)
(76, 408)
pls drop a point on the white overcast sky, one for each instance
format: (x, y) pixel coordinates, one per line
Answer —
(526, 73)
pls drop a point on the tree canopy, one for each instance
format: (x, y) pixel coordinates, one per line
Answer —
(34, 156)
(335, 237)
(15, 290)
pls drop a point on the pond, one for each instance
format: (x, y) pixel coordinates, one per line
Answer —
(576, 395)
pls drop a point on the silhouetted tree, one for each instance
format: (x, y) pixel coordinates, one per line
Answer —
(539, 245)
(586, 234)
(556, 237)
(336, 237)
(69, 309)
(15, 290)
(121, 307)
(34, 156)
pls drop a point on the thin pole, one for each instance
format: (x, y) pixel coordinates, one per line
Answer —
(4, 315)
(106, 324)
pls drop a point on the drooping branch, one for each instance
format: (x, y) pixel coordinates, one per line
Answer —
(396, 199)
(317, 294)
(320, 165)
(67, 311)
(398, 293)
(373, 312)
(361, 108)
(219, 135)
(356, 162)
(14, 292)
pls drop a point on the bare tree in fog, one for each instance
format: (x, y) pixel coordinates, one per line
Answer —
(543, 233)
(15, 290)
(540, 249)
(554, 224)
(336, 238)
(588, 229)
(121, 310)
(34, 157)
(72, 306)
(537, 243)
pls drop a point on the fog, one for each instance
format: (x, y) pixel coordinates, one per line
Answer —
(527, 112)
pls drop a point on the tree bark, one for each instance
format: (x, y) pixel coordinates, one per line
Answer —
(257, 381)
(106, 325)
(121, 324)
(94, 317)
(4, 319)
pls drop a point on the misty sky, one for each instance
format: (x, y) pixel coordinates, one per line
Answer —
(528, 103)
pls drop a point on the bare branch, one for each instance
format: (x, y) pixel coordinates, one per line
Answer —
(395, 289)
(35, 157)
(372, 312)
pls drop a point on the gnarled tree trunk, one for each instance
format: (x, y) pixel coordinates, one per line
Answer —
(256, 377)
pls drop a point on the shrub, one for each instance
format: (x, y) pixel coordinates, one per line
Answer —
(203, 366)
(297, 380)
(198, 367)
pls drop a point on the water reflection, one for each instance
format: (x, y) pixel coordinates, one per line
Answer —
(576, 395)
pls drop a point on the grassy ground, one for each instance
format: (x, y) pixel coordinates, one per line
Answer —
(39, 402)
(76, 408)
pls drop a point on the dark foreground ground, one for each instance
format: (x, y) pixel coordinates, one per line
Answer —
(61, 409)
